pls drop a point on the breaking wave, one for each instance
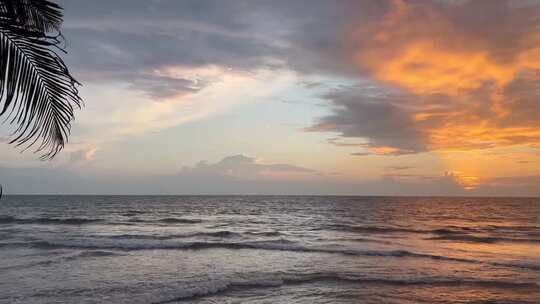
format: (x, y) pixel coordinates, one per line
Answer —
(209, 288)
(276, 245)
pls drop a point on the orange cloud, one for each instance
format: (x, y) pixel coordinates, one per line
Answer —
(458, 83)
(468, 182)
(422, 51)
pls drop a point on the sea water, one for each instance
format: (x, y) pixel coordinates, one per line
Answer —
(268, 249)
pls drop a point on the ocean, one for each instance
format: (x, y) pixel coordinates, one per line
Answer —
(268, 249)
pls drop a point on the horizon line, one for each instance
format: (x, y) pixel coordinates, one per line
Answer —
(290, 195)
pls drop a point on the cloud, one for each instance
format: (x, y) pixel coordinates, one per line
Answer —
(249, 178)
(109, 118)
(82, 156)
(511, 186)
(129, 41)
(232, 174)
(381, 121)
(434, 56)
(103, 56)
(244, 167)
(149, 66)
(444, 78)
(162, 87)
(126, 41)
(240, 174)
(453, 67)
(399, 168)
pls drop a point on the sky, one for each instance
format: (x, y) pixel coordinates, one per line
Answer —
(318, 97)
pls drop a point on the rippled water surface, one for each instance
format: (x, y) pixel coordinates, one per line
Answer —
(256, 249)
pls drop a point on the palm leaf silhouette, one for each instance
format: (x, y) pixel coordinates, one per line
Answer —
(37, 92)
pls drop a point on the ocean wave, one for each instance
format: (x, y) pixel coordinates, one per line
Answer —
(514, 227)
(451, 229)
(454, 233)
(175, 220)
(259, 281)
(264, 233)
(93, 254)
(131, 213)
(275, 245)
(48, 221)
(218, 234)
(372, 229)
(63, 259)
(354, 239)
(388, 230)
(168, 220)
(482, 239)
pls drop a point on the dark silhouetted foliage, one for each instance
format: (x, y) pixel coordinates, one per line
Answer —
(37, 93)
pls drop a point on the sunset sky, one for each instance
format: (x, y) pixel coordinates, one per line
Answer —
(297, 97)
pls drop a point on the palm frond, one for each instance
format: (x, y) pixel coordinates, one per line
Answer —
(37, 92)
(40, 15)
